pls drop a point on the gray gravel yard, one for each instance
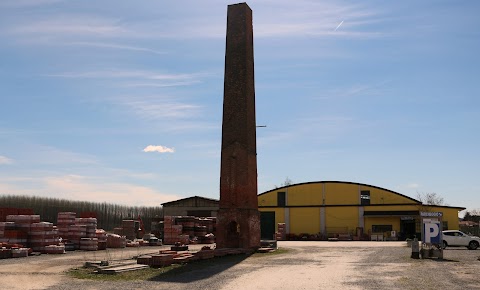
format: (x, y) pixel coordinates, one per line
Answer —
(306, 265)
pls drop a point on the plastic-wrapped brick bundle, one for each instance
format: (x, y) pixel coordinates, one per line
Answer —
(5, 253)
(23, 222)
(20, 253)
(16, 237)
(55, 249)
(91, 225)
(116, 241)
(101, 235)
(64, 221)
(89, 244)
(41, 235)
(76, 232)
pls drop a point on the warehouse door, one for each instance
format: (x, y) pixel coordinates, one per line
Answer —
(267, 225)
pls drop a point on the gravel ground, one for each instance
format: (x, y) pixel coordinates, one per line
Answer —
(306, 265)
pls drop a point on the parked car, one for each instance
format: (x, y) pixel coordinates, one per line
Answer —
(453, 238)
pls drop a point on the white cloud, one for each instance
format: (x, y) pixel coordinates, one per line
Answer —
(114, 46)
(84, 188)
(413, 185)
(159, 149)
(69, 26)
(5, 160)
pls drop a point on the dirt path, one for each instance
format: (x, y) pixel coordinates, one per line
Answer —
(306, 265)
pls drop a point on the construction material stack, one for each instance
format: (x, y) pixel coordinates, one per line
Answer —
(21, 224)
(101, 235)
(129, 229)
(64, 221)
(5, 227)
(281, 234)
(116, 241)
(172, 232)
(44, 238)
(89, 242)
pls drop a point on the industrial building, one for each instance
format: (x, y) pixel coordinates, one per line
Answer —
(327, 209)
(191, 206)
(351, 210)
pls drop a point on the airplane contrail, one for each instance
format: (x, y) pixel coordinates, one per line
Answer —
(339, 26)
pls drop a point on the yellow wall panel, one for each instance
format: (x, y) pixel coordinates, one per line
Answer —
(305, 220)
(268, 199)
(306, 194)
(380, 196)
(341, 193)
(341, 217)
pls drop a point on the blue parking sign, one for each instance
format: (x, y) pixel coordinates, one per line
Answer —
(431, 232)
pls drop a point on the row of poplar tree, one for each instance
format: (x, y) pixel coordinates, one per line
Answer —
(109, 215)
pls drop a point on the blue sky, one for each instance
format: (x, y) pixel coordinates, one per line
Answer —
(121, 101)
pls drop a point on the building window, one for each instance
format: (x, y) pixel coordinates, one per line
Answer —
(444, 225)
(281, 199)
(381, 228)
(365, 197)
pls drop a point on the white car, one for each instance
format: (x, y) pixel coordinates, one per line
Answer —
(459, 239)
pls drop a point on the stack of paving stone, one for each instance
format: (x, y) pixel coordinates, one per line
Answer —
(162, 260)
(20, 252)
(44, 234)
(22, 223)
(5, 253)
(85, 234)
(89, 244)
(281, 234)
(5, 226)
(101, 235)
(64, 221)
(76, 233)
(90, 226)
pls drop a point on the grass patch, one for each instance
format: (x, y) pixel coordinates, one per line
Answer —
(198, 269)
(88, 273)
(279, 251)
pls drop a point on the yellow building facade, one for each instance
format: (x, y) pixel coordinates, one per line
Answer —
(345, 209)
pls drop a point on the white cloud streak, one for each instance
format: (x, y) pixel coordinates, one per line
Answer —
(114, 46)
(159, 149)
(5, 160)
(338, 26)
(84, 188)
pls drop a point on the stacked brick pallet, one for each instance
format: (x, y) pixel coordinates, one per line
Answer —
(116, 241)
(184, 228)
(172, 232)
(210, 223)
(6, 227)
(281, 234)
(27, 230)
(43, 235)
(64, 221)
(129, 229)
(101, 235)
(21, 225)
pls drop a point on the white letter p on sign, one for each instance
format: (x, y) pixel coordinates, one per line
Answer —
(431, 231)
